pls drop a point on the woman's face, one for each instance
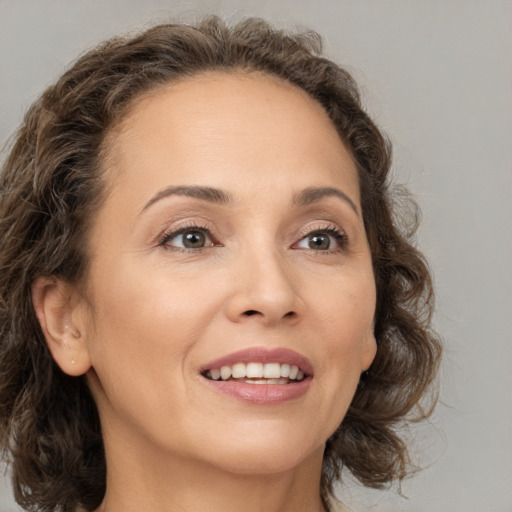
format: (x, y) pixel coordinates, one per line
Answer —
(231, 240)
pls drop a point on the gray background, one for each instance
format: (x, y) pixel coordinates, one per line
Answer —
(437, 77)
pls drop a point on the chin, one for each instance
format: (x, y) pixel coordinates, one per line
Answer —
(261, 464)
(263, 454)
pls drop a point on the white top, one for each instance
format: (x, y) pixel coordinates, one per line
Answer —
(337, 506)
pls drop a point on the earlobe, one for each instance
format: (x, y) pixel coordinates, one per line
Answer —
(60, 315)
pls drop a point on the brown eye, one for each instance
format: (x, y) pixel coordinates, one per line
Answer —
(194, 239)
(319, 242)
(328, 239)
(190, 238)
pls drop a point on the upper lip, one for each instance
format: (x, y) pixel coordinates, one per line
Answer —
(262, 355)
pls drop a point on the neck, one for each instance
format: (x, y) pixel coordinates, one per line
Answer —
(141, 481)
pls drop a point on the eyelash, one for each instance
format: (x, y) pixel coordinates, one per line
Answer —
(169, 235)
(339, 235)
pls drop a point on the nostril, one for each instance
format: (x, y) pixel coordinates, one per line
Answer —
(251, 312)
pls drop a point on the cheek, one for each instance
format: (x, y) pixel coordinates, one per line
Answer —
(346, 311)
(347, 303)
(343, 328)
(145, 323)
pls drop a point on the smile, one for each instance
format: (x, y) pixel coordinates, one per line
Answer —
(260, 375)
(257, 373)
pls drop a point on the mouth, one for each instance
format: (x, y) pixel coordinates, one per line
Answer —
(257, 373)
(260, 375)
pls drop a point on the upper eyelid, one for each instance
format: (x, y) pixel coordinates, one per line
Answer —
(341, 236)
(325, 225)
(170, 233)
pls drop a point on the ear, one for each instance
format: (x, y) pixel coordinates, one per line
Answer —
(60, 311)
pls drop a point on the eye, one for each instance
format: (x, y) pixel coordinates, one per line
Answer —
(327, 239)
(188, 238)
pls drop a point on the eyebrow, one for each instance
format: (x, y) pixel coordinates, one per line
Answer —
(314, 194)
(212, 195)
(306, 197)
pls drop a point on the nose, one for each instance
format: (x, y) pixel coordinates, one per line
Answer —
(264, 290)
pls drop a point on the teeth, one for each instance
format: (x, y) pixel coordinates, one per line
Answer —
(238, 371)
(293, 372)
(285, 370)
(225, 372)
(254, 370)
(258, 373)
(272, 371)
(266, 381)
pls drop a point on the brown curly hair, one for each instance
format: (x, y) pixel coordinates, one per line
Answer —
(50, 187)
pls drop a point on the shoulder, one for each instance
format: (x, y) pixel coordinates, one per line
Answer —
(337, 506)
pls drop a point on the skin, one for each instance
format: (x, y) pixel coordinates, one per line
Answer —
(153, 313)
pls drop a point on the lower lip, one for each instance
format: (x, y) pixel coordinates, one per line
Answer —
(261, 393)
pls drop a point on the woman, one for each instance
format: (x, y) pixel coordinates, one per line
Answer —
(207, 299)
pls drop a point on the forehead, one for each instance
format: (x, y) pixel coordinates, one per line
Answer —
(222, 128)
